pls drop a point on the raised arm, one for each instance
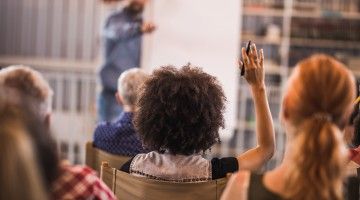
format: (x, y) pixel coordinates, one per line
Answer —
(119, 27)
(254, 74)
(121, 30)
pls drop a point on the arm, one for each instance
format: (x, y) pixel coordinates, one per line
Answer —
(122, 30)
(254, 74)
(237, 187)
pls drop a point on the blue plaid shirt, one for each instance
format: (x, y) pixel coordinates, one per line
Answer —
(119, 137)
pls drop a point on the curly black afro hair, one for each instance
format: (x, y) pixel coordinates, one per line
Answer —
(180, 110)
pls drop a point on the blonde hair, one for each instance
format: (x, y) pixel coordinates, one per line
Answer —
(129, 84)
(318, 103)
(30, 82)
(20, 178)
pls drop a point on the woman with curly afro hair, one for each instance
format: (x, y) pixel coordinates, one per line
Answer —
(178, 117)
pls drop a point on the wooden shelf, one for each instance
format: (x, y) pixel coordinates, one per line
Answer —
(308, 42)
(272, 12)
(326, 14)
(263, 11)
(271, 68)
(260, 39)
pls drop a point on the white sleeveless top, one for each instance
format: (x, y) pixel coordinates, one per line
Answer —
(168, 167)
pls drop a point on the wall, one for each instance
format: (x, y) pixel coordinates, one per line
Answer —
(203, 32)
(60, 38)
(54, 29)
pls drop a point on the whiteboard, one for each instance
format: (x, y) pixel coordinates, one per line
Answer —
(202, 32)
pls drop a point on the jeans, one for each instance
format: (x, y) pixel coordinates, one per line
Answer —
(108, 108)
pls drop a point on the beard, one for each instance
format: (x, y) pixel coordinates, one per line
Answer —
(135, 8)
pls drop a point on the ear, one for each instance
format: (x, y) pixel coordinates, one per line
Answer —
(119, 99)
(47, 120)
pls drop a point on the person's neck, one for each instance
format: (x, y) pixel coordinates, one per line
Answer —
(287, 160)
(288, 154)
(274, 180)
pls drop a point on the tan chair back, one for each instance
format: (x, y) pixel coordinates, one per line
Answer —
(94, 158)
(126, 186)
(107, 175)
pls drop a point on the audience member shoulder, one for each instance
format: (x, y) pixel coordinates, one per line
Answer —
(79, 182)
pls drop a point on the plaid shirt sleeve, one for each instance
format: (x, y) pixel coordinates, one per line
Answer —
(78, 182)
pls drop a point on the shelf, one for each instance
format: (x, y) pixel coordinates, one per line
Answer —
(325, 43)
(260, 39)
(272, 69)
(326, 14)
(263, 11)
(272, 12)
(296, 41)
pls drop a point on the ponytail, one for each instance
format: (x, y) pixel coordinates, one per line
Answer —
(318, 161)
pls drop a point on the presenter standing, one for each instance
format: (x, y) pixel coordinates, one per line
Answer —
(122, 35)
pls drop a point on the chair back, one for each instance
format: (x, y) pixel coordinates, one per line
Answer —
(107, 175)
(94, 158)
(126, 186)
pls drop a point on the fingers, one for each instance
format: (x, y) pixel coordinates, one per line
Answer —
(245, 57)
(243, 53)
(262, 57)
(253, 60)
(242, 68)
(152, 26)
(148, 27)
(253, 55)
(253, 51)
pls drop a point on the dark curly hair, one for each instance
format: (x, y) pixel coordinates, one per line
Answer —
(180, 110)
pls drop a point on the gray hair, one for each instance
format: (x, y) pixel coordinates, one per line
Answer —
(129, 84)
(29, 82)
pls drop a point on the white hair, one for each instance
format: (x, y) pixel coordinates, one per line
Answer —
(129, 84)
(30, 83)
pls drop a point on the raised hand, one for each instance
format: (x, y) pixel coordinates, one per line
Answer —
(254, 66)
(148, 27)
